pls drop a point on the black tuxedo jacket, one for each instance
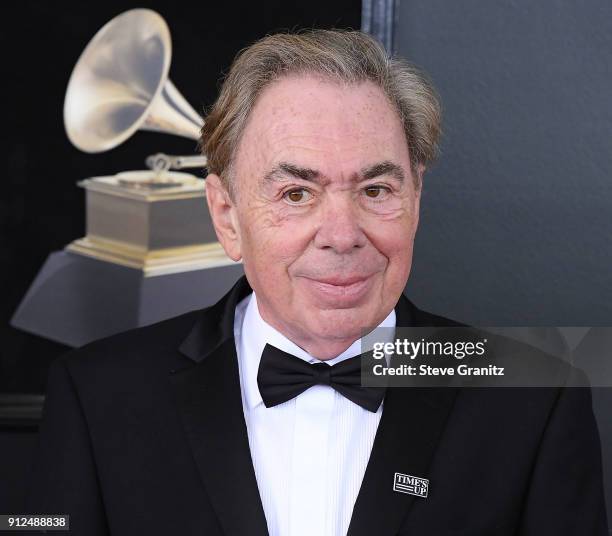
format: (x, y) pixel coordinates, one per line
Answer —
(143, 433)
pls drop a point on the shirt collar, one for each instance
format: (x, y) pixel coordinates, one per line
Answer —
(255, 333)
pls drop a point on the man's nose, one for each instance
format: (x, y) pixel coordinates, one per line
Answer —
(340, 225)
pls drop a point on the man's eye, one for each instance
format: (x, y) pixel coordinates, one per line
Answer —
(297, 196)
(376, 191)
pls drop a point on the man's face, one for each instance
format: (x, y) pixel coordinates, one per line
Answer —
(325, 211)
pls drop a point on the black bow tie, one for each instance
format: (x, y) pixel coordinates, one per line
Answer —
(282, 376)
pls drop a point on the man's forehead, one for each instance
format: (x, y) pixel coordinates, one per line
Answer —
(299, 101)
(317, 117)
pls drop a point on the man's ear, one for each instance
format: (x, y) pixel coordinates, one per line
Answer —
(223, 214)
(420, 171)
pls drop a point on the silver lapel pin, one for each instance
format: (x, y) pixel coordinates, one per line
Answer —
(412, 485)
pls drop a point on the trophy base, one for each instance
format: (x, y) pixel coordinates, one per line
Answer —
(152, 262)
(76, 299)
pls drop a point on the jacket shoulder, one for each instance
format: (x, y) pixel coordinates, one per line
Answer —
(136, 351)
(421, 318)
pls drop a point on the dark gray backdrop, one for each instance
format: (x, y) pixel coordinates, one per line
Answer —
(516, 216)
(516, 222)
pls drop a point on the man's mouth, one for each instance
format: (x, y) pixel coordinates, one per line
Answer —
(340, 281)
(340, 289)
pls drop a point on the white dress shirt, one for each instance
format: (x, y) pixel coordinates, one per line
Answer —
(309, 453)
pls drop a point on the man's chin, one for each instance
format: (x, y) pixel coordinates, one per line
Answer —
(340, 325)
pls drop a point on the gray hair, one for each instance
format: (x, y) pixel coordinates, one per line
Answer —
(347, 56)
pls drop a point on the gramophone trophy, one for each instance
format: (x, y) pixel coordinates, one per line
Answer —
(150, 250)
(152, 220)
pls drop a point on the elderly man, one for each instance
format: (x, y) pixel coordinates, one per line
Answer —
(228, 421)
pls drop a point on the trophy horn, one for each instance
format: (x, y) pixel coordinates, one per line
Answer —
(120, 84)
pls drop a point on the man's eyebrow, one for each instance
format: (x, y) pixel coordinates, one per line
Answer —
(377, 170)
(383, 168)
(284, 168)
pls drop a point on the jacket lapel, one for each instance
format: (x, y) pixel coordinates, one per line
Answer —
(210, 404)
(410, 427)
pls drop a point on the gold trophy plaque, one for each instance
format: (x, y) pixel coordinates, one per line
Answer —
(156, 227)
